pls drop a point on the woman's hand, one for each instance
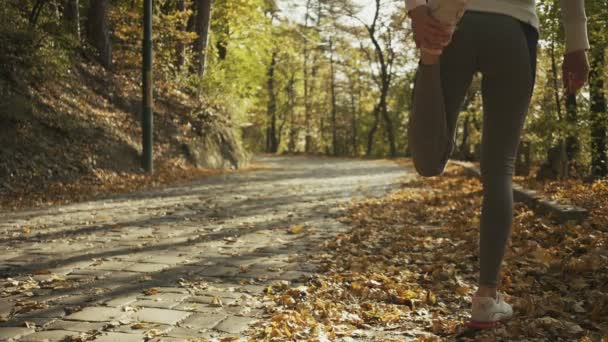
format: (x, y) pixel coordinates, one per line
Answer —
(428, 32)
(575, 71)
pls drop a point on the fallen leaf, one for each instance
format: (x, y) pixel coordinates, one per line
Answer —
(216, 302)
(151, 291)
(42, 272)
(297, 229)
(139, 326)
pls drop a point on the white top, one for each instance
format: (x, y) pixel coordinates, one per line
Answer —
(574, 17)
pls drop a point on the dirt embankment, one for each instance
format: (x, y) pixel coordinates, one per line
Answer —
(80, 136)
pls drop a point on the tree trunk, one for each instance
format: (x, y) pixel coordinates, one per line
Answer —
(203, 19)
(353, 109)
(464, 145)
(372, 132)
(71, 17)
(307, 102)
(272, 144)
(572, 143)
(388, 123)
(56, 7)
(599, 158)
(556, 158)
(98, 33)
(36, 10)
(334, 124)
(291, 105)
(180, 47)
(385, 62)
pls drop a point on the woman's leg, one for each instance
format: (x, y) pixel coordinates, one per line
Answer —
(507, 60)
(439, 91)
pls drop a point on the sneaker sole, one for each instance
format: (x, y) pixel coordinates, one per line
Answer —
(484, 325)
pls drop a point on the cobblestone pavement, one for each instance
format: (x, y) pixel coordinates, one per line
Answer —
(179, 263)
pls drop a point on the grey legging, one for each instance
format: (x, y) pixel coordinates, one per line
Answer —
(503, 49)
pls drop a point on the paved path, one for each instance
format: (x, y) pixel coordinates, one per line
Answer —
(179, 263)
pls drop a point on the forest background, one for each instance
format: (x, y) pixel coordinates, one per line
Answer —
(235, 77)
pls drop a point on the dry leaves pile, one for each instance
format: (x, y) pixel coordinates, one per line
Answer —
(591, 196)
(408, 268)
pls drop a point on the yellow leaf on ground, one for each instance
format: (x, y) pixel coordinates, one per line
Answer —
(216, 302)
(297, 229)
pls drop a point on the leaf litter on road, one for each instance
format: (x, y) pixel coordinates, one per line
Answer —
(408, 268)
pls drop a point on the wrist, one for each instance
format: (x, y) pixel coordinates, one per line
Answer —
(416, 11)
(413, 4)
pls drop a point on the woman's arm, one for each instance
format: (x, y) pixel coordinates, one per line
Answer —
(576, 65)
(575, 25)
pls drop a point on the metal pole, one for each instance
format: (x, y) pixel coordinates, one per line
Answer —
(148, 89)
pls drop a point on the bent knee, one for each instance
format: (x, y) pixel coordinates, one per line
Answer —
(427, 168)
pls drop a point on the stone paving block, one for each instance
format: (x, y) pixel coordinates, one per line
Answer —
(209, 300)
(89, 272)
(122, 277)
(193, 334)
(170, 339)
(122, 300)
(244, 261)
(219, 293)
(220, 271)
(235, 324)
(6, 307)
(49, 313)
(252, 289)
(14, 332)
(20, 321)
(203, 321)
(82, 278)
(271, 250)
(239, 310)
(161, 300)
(119, 337)
(78, 299)
(259, 273)
(50, 335)
(97, 314)
(196, 307)
(166, 289)
(295, 275)
(112, 265)
(134, 257)
(76, 326)
(146, 267)
(136, 329)
(162, 316)
(168, 259)
(73, 266)
(155, 304)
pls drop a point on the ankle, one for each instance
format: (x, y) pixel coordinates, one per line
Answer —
(486, 291)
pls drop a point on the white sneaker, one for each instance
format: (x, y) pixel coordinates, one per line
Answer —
(448, 12)
(488, 311)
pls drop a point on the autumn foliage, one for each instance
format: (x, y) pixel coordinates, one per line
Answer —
(408, 269)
